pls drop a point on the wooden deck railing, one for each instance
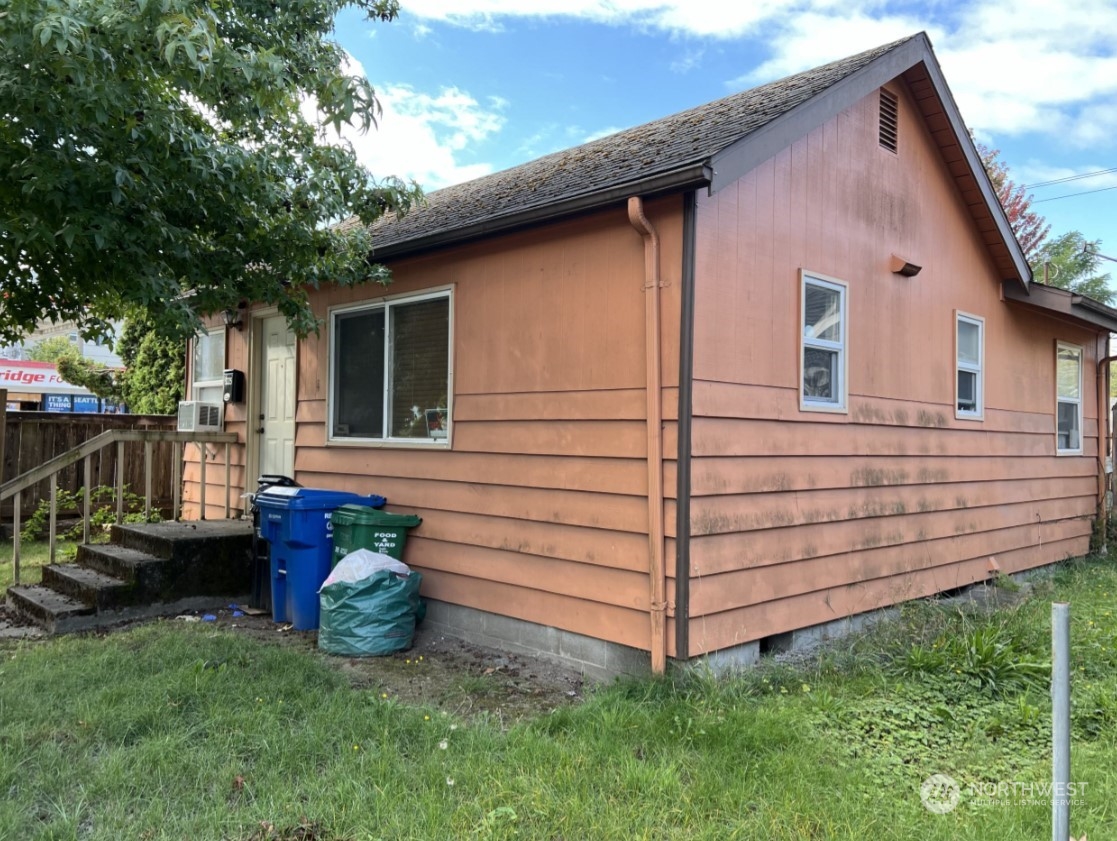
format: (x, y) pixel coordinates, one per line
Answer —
(85, 452)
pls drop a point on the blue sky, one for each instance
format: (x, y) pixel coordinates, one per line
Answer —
(474, 86)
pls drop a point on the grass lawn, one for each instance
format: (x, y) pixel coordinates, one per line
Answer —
(175, 731)
(32, 558)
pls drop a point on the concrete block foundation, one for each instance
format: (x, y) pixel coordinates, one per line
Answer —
(597, 659)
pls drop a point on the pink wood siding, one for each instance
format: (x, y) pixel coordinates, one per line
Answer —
(539, 510)
(799, 518)
(236, 356)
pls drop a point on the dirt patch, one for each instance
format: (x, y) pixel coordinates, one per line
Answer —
(438, 671)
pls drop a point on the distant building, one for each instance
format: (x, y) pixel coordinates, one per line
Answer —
(36, 386)
(102, 353)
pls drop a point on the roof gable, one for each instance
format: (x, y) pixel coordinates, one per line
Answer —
(710, 146)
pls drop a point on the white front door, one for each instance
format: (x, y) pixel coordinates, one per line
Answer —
(276, 429)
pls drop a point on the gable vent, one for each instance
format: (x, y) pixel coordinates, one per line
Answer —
(889, 119)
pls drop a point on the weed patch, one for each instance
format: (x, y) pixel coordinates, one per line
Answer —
(102, 506)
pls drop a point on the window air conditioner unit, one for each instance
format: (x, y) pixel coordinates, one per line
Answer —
(195, 416)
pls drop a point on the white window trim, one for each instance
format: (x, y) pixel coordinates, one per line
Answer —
(959, 365)
(195, 383)
(1059, 346)
(806, 404)
(379, 303)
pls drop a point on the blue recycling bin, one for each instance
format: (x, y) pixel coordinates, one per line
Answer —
(296, 523)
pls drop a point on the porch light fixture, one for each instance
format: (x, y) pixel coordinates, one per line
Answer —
(234, 317)
(904, 267)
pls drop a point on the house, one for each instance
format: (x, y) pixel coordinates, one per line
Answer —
(752, 369)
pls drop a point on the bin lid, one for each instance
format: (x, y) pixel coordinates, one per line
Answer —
(314, 499)
(359, 515)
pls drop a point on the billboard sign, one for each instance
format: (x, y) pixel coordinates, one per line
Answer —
(34, 378)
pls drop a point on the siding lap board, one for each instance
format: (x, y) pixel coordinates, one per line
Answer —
(538, 510)
(799, 518)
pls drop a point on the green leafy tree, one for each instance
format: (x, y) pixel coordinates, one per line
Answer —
(155, 155)
(50, 350)
(94, 376)
(1072, 263)
(155, 367)
(154, 374)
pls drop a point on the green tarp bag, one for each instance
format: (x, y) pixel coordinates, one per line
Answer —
(370, 617)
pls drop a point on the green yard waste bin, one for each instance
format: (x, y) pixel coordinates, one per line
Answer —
(361, 527)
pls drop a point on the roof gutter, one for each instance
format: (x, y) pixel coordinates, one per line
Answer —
(689, 177)
(1058, 302)
(1107, 312)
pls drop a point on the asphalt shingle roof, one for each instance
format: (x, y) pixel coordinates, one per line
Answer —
(630, 156)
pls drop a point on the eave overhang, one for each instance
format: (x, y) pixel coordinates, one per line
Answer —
(1050, 300)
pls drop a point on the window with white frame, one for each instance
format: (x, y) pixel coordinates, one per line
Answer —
(823, 350)
(390, 370)
(1068, 400)
(208, 367)
(969, 342)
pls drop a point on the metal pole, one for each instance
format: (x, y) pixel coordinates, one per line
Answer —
(1060, 721)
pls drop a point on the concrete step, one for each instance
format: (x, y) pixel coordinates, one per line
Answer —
(89, 586)
(59, 614)
(203, 557)
(184, 540)
(129, 565)
(50, 610)
(161, 569)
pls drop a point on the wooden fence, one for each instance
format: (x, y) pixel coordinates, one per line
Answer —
(32, 438)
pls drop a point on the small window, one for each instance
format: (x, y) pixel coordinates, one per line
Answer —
(889, 120)
(823, 360)
(1068, 402)
(208, 367)
(390, 370)
(969, 341)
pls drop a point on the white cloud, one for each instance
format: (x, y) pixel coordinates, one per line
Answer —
(678, 16)
(422, 136)
(813, 38)
(541, 142)
(1029, 66)
(687, 61)
(605, 132)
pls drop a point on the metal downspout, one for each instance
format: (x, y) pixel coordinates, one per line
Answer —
(657, 571)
